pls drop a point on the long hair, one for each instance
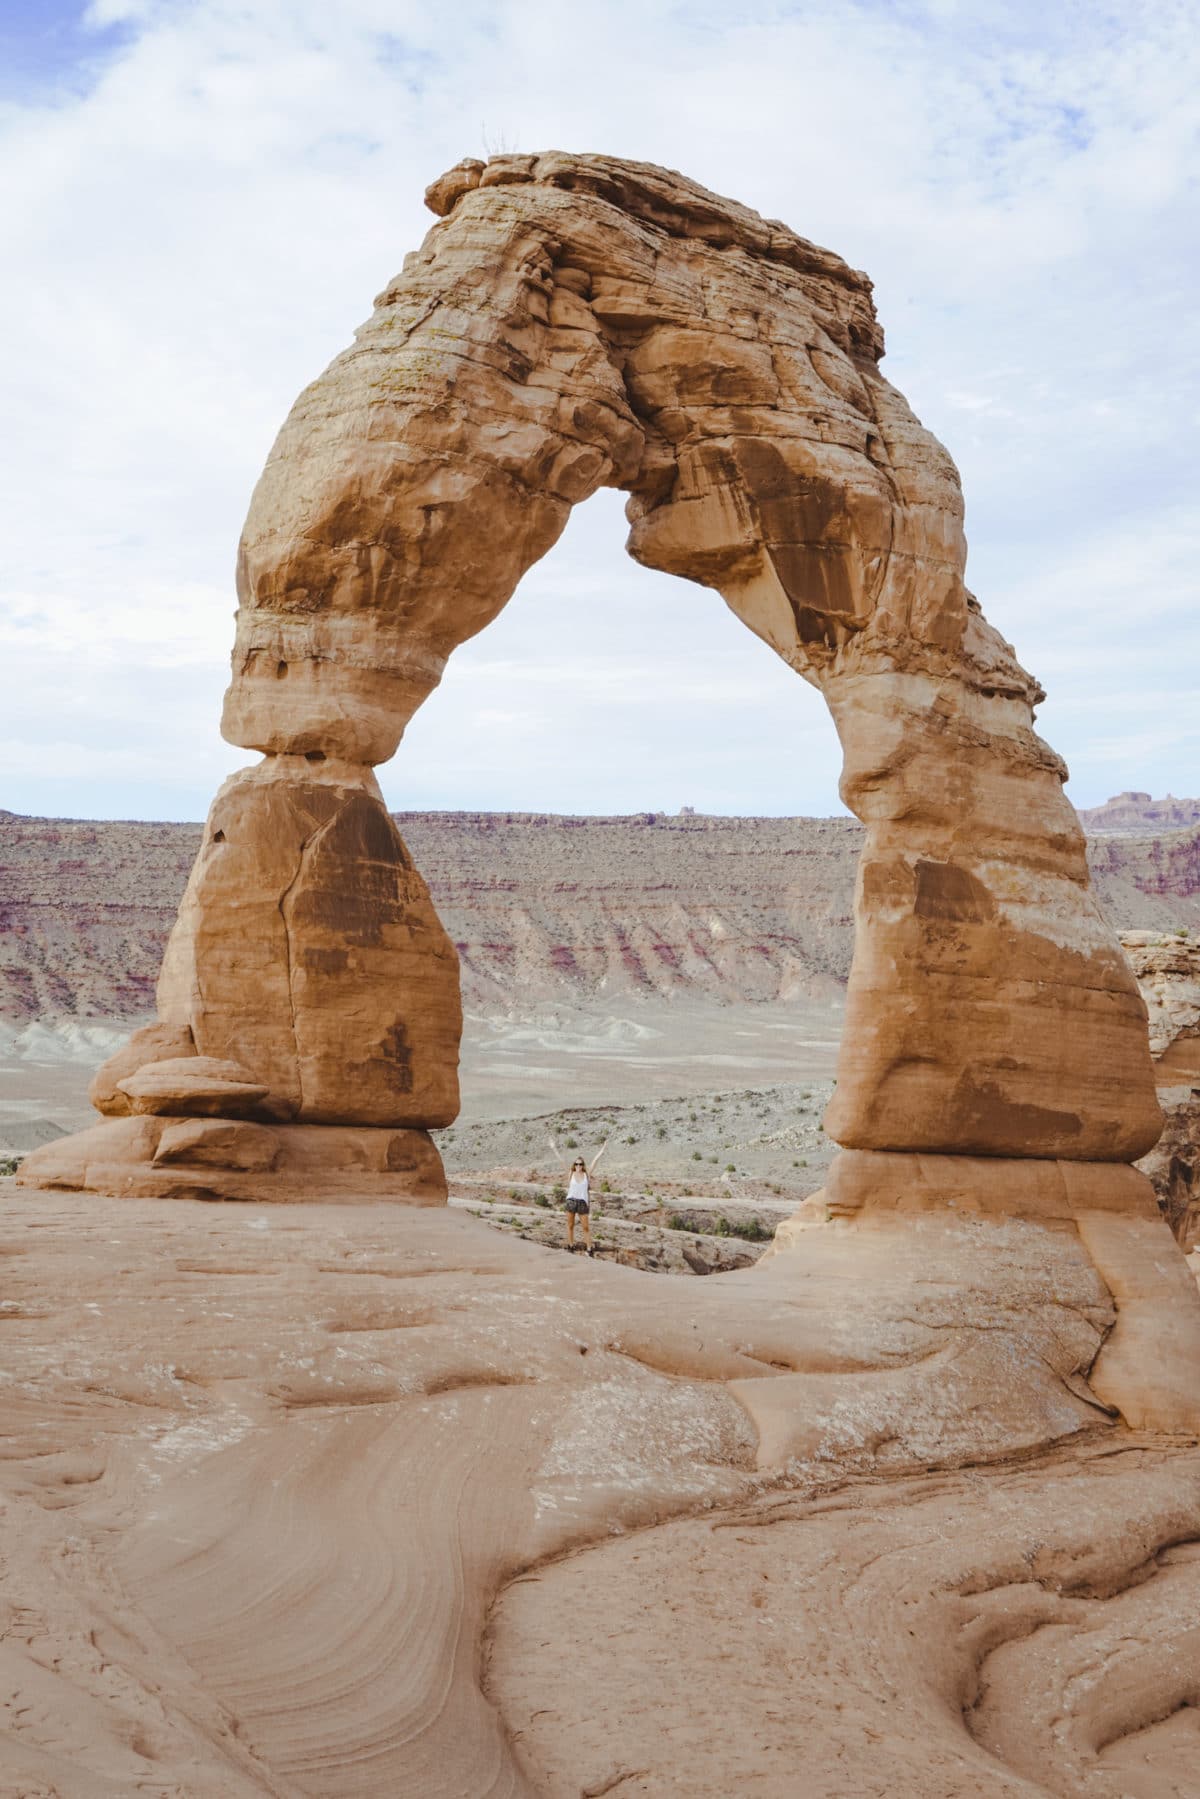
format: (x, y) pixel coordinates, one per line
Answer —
(580, 1163)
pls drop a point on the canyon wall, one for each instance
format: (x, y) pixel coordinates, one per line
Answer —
(540, 908)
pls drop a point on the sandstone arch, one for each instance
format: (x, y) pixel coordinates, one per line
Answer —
(571, 323)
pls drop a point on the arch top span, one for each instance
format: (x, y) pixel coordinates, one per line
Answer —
(576, 322)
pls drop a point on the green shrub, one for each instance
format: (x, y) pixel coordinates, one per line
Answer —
(750, 1229)
(539, 1199)
(571, 1143)
(696, 1156)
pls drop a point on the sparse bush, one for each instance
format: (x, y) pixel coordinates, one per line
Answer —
(560, 1192)
(10, 1164)
(750, 1230)
(631, 1139)
(677, 1222)
(571, 1143)
(606, 1186)
(696, 1156)
(729, 1168)
(540, 1199)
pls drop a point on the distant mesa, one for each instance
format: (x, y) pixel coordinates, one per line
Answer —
(1136, 814)
(540, 908)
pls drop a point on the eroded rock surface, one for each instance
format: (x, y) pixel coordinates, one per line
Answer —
(578, 322)
(1168, 971)
(298, 1502)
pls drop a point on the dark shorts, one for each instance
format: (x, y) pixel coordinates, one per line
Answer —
(578, 1205)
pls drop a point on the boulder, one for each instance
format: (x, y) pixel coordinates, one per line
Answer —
(193, 1084)
(157, 1042)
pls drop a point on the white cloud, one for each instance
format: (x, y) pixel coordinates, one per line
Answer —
(201, 214)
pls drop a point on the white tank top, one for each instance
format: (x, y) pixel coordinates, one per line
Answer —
(579, 1187)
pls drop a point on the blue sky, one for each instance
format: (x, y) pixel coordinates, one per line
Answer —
(49, 45)
(200, 201)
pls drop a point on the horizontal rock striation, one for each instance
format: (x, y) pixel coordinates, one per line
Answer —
(538, 907)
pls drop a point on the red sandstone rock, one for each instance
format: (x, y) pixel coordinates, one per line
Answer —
(153, 1043)
(148, 1157)
(308, 949)
(187, 1084)
(575, 322)
(1167, 967)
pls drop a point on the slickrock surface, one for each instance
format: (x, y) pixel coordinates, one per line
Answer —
(1168, 972)
(991, 1636)
(540, 908)
(268, 1470)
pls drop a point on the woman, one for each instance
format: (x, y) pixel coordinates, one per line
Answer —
(579, 1198)
(579, 1205)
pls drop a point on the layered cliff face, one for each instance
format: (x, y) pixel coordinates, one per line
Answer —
(540, 909)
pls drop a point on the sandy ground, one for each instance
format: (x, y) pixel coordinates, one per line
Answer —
(541, 1062)
(374, 1500)
(589, 1056)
